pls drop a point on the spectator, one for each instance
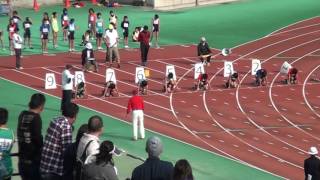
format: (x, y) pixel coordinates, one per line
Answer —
(11, 28)
(27, 32)
(6, 143)
(103, 167)
(55, 29)
(58, 138)
(70, 156)
(136, 105)
(30, 138)
(90, 142)
(204, 51)
(144, 39)
(17, 45)
(111, 39)
(153, 167)
(67, 87)
(65, 23)
(92, 18)
(113, 19)
(44, 31)
(125, 27)
(99, 31)
(156, 29)
(182, 170)
(312, 165)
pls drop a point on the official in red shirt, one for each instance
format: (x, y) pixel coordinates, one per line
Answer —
(144, 39)
(136, 105)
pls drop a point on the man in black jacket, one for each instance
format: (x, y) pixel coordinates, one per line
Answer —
(30, 140)
(312, 165)
(153, 168)
(204, 51)
(88, 59)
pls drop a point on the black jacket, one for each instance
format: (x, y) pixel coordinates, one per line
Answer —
(153, 169)
(312, 167)
(203, 49)
(84, 55)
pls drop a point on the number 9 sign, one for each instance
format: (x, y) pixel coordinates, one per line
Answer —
(50, 81)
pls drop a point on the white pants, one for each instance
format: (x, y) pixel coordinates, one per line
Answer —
(137, 116)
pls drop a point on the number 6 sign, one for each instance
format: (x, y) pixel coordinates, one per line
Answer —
(139, 74)
(78, 77)
(50, 81)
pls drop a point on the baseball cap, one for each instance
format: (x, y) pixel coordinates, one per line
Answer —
(313, 151)
(154, 146)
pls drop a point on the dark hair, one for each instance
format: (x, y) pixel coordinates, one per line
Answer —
(294, 71)
(182, 170)
(72, 20)
(3, 116)
(65, 10)
(54, 13)
(71, 110)
(82, 129)
(170, 75)
(27, 19)
(95, 123)
(235, 75)
(81, 84)
(105, 153)
(91, 10)
(145, 27)
(68, 66)
(124, 17)
(98, 14)
(37, 100)
(111, 12)
(15, 12)
(205, 76)
(263, 72)
(144, 83)
(156, 16)
(88, 31)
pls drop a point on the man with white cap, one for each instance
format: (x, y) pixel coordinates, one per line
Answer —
(204, 51)
(88, 59)
(111, 38)
(153, 167)
(312, 165)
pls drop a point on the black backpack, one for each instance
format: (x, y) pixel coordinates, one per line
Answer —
(80, 162)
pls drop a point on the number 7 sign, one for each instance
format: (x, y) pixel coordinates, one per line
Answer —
(255, 66)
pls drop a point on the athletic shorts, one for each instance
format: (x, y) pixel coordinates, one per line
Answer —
(44, 36)
(155, 28)
(27, 34)
(71, 35)
(125, 34)
(99, 35)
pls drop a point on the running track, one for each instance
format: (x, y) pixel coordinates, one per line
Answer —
(270, 128)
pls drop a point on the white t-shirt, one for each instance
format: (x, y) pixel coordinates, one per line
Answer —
(112, 37)
(92, 149)
(65, 76)
(17, 41)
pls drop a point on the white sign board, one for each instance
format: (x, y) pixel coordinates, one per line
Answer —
(198, 69)
(111, 75)
(78, 78)
(255, 66)
(50, 81)
(228, 69)
(171, 69)
(285, 68)
(139, 74)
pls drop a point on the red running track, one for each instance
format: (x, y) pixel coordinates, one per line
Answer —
(268, 127)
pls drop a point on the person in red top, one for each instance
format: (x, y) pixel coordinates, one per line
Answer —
(12, 26)
(136, 105)
(292, 77)
(92, 18)
(144, 39)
